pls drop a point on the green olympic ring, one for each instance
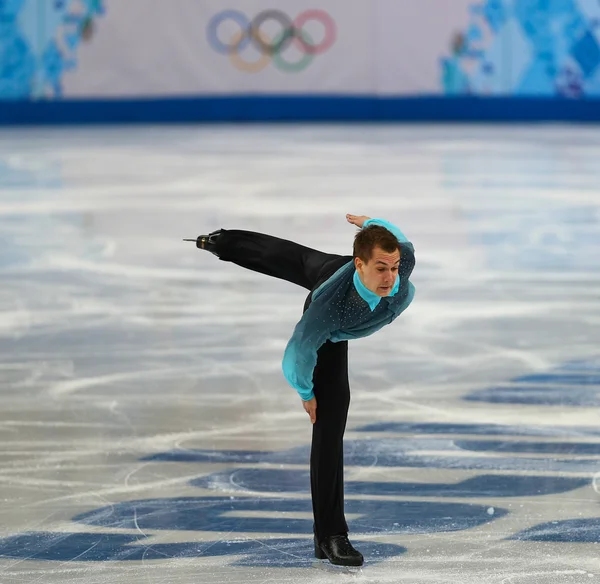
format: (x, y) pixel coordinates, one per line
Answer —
(288, 66)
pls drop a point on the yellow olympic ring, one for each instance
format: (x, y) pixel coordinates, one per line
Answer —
(265, 59)
(249, 66)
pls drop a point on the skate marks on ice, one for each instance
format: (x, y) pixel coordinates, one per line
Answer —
(251, 506)
(113, 547)
(575, 383)
(264, 480)
(477, 202)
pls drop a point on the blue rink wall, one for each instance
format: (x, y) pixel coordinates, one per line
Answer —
(299, 109)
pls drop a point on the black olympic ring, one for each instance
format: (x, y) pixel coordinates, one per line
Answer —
(288, 32)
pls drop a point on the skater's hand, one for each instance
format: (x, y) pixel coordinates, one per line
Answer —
(357, 220)
(311, 409)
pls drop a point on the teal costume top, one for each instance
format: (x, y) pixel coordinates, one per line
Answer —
(343, 308)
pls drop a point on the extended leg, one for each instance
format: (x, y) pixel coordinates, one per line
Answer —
(272, 256)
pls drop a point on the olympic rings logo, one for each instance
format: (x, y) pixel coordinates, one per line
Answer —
(270, 49)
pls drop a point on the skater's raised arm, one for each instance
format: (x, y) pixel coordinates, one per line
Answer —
(362, 221)
(390, 227)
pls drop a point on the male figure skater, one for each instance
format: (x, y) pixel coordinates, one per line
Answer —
(350, 297)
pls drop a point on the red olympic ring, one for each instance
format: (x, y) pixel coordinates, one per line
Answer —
(330, 31)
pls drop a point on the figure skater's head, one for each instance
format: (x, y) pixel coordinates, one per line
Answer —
(377, 258)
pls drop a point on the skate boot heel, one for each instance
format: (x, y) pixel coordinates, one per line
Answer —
(319, 552)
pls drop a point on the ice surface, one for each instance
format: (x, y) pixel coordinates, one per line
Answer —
(147, 432)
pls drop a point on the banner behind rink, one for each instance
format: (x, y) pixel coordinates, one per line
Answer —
(137, 49)
(186, 47)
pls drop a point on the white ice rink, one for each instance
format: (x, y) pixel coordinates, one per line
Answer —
(147, 433)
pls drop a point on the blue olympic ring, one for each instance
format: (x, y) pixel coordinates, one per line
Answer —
(238, 17)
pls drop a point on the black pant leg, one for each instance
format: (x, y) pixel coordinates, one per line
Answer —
(332, 392)
(273, 256)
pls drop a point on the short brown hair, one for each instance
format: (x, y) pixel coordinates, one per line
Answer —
(367, 239)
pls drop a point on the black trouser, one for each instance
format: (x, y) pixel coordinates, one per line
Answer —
(308, 268)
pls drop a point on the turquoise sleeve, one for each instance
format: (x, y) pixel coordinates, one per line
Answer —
(399, 235)
(300, 357)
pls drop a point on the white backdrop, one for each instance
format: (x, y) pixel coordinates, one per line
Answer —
(157, 48)
(412, 36)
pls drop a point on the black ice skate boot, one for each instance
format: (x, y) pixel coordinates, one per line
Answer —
(338, 550)
(207, 242)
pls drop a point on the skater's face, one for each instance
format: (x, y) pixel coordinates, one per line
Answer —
(379, 273)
